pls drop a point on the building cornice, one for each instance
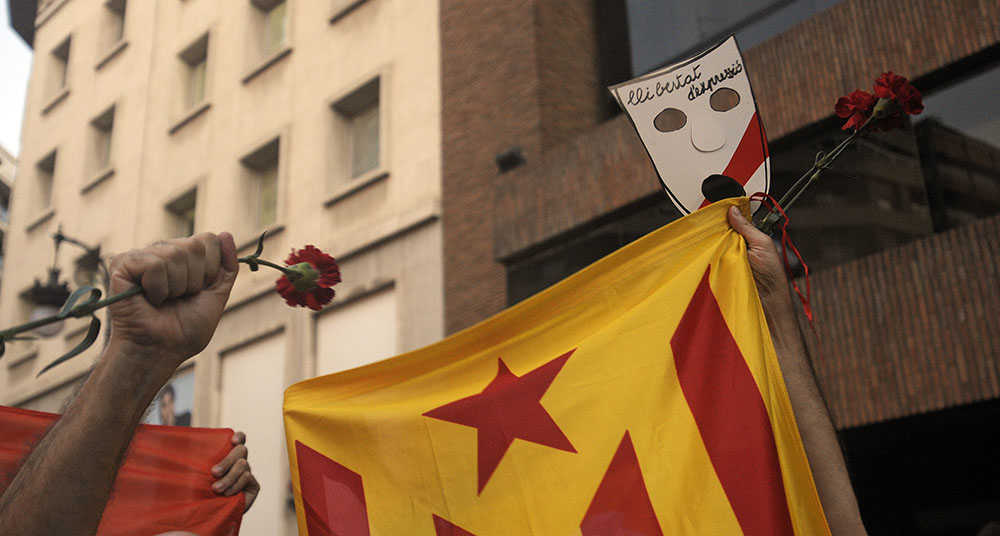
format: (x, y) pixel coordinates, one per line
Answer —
(22, 16)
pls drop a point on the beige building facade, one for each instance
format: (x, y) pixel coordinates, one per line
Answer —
(318, 121)
(8, 166)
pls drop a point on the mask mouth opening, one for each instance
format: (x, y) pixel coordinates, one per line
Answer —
(718, 187)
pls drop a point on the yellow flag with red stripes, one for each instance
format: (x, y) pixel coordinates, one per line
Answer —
(640, 396)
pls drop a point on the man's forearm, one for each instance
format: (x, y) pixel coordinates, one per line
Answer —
(64, 484)
(818, 434)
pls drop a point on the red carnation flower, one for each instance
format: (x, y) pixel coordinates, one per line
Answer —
(910, 99)
(317, 272)
(856, 108)
(891, 86)
(887, 85)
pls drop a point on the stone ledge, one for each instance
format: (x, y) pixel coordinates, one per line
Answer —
(271, 232)
(29, 352)
(266, 64)
(101, 176)
(190, 116)
(355, 186)
(386, 230)
(54, 101)
(40, 219)
(111, 54)
(346, 10)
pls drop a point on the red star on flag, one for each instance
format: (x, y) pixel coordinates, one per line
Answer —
(508, 408)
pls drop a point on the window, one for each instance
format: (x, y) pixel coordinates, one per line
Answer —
(272, 25)
(358, 333)
(578, 249)
(4, 203)
(182, 213)
(251, 389)
(357, 120)
(959, 140)
(46, 170)
(261, 167)
(60, 68)
(662, 32)
(195, 59)
(103, 126)
(115, 21)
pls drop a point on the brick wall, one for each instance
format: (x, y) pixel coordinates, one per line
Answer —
(605, 168)
(499, 58)
(911, 329)
(502, 64)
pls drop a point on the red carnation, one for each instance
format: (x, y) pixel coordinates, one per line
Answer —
(856, 108)
(317, 272)
(897, 88)
(910, 99)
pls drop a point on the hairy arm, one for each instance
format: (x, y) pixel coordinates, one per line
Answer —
(815, 426)
(65, 482)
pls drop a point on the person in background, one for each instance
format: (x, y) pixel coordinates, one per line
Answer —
(167, 416)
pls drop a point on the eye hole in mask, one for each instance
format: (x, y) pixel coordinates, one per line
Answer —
(669, 120)
(724, 99)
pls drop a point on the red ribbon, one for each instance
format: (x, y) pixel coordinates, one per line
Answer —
(786, 244)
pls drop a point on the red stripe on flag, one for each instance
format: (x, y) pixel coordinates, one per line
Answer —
(443, 527)
(731, 417)
(621, 505)
(333, 496)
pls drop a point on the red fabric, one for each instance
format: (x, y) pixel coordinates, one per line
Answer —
(164, 484)
(621, 504)
(731, 416)
(508, 408)
(786, 244)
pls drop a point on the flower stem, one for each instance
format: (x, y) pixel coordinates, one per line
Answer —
(284, 270)
(76, 312)
(770, 218)
(89, 307)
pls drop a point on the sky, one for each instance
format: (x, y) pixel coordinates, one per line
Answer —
(15, 65)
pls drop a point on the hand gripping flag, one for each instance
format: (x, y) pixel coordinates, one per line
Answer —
(163, 486)
(640, 396)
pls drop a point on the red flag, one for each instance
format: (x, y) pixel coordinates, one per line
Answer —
(164, 484)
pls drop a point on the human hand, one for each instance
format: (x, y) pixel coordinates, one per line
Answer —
(765, 263)
(186, 284)
(234, 473)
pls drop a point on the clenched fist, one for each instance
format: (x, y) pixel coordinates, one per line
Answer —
(186, 284)
(765, 262)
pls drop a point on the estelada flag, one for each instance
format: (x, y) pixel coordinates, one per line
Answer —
(163, 485)
(640, 396)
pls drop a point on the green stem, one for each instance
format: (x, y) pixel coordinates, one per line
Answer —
(770, 218)
(251, 259)
(88, 308)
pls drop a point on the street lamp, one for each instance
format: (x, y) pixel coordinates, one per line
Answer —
(48, 298)
(86, 266)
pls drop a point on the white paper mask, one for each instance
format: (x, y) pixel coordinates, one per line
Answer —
(697, 118)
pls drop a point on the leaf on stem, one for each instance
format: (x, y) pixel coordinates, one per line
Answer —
(92, 333)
